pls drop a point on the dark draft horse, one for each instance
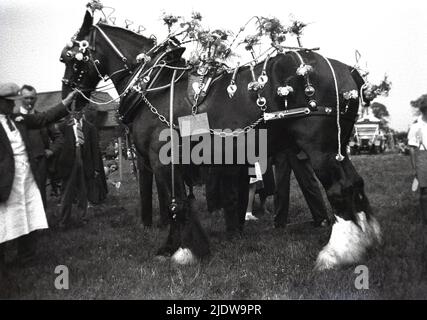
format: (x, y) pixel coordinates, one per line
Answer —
(100, 50)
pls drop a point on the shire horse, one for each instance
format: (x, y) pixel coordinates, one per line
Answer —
(100, 50)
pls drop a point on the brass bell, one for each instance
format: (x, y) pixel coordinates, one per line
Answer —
(309, 91)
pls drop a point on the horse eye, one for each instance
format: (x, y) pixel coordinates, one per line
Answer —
(69, 53)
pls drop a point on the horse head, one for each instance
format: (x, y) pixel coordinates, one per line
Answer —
(80, 73)
(99, 52)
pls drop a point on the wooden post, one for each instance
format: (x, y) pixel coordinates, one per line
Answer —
(120, 160)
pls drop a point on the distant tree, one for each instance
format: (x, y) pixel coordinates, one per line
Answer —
(380, 111)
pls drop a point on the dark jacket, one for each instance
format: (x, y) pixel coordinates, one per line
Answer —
(7, 162)
(90, 150)
(41, 139)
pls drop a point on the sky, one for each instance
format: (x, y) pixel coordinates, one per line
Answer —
(390, 35)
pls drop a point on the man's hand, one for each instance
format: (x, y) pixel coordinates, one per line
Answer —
(48, 153)
(69, 99)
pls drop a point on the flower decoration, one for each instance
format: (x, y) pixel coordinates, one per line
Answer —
(196, 16)
(169, 20)
(213, 45)
(273, 28)
(383, 88)
(95, 5)
(297, 27)
(304, 69)
(371, 91)
(353, 94)
(251, 41)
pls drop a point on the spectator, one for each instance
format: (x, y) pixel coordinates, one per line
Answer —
(21, 205)
(79, 163)
(264, 186)
(44, 152)
(297, 161)
(417, 140)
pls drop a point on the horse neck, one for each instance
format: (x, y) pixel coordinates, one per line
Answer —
(129, 45)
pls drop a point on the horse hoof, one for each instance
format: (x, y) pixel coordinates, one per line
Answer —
(183, 257)
(348, 242)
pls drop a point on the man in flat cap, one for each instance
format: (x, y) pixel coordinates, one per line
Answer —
(21, 206)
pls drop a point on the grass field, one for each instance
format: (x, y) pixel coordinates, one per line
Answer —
(112, 257)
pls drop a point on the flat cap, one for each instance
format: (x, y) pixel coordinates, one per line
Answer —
(9, 91)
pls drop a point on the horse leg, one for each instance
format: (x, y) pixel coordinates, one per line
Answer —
(187, 240)
(234, 197)
(354, 230)
(189, 181)
(163, 198)
(145, 177)
(362, 208)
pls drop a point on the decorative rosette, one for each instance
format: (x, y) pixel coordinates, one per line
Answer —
(284, 91)
(353, 94)
(304, 69)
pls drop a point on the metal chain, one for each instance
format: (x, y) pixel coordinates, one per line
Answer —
(237, 132)
(223, 134)
(161, 117)
(194, 108)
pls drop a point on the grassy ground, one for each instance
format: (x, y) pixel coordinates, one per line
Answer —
(112, 256)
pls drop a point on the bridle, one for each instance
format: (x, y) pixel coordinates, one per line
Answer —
(84, 58)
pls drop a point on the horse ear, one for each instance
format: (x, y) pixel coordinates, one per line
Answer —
(87, 24)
